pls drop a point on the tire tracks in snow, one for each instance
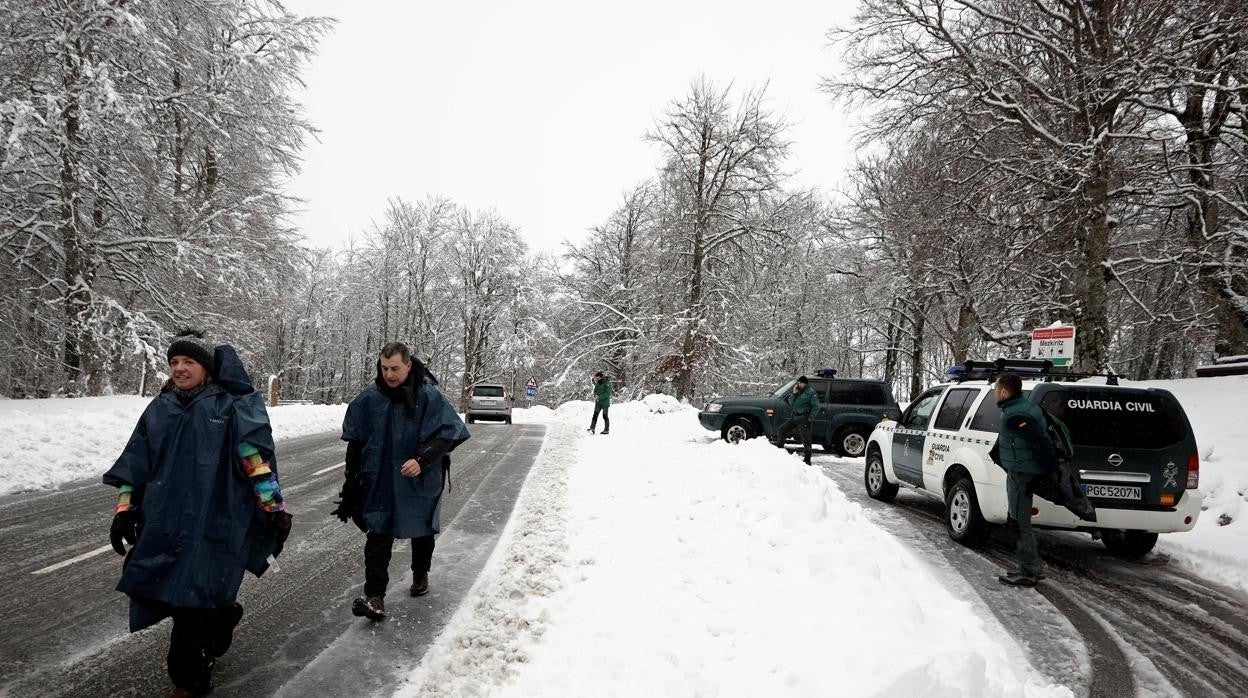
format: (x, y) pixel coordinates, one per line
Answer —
(1148, 629)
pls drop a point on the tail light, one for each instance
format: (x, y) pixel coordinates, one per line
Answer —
(1193, 471)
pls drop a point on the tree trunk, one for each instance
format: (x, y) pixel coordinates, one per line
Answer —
(893, 337)
(960, 347)
(693, 319)
(77, 297)
(1090, 309)
(916, 351)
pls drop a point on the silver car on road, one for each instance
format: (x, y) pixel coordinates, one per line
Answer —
(489, 401)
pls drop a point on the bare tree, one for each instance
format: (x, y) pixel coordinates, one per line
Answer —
(722, 164)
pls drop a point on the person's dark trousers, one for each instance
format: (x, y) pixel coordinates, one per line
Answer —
(377, 551)
(199, 636)
(802, 424)
(606, 419)
(1018, 488)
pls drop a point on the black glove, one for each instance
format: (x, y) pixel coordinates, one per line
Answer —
(350, 500)
(279, 524)
(125, 527)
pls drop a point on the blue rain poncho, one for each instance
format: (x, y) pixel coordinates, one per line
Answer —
(200, 526)
(389, 434)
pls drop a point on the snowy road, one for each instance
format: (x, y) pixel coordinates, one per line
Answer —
(1100, 625)
(65, 626)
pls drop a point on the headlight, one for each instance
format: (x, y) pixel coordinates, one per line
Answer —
(714, 406)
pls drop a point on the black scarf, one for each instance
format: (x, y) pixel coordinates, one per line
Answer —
(405, 393)
(185, 396)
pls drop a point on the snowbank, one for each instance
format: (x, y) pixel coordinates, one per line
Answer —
(44, 443)
(1218, 547)
(661, 561)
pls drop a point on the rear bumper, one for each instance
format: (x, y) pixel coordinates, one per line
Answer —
(1181, 518)
(713, 421)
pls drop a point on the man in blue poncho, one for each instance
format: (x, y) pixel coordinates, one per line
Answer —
(399, 431)
(199, 502)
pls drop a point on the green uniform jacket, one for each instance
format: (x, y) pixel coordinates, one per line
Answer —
(602, 393)
(1023, 439)
(806, 403)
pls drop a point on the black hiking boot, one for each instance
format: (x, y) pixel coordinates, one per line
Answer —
(420, 585)
(1018, 579)
(373, 608)
(606, 431)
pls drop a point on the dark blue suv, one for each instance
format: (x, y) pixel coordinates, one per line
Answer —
(849, 408)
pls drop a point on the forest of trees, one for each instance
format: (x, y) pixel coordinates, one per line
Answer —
(1022, 162)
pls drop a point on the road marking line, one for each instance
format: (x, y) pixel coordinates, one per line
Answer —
(326, 470)
(72, 560)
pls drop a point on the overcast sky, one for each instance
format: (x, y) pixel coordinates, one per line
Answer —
(538, 109)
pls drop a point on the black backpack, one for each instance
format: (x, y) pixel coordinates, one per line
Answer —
(1063, 486)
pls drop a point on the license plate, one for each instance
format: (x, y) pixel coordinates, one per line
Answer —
(1112, 491)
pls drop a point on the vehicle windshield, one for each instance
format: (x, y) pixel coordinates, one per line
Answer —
(1117, 418)
(487, 391)
(786, 390)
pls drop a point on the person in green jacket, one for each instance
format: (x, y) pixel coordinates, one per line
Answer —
(1026, 453)
(602, 403)
(805, 402)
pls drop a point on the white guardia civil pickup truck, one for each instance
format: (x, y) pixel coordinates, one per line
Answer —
(1133, 447)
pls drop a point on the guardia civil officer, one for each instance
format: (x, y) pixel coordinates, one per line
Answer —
(1027, 454)
(602, 403)
(805, 402)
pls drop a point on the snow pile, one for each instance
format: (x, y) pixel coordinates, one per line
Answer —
(1218, 547)
(44, 443)
(290, 421)
(676, 564)
(662, 404)
(528, 415)
(485, 641)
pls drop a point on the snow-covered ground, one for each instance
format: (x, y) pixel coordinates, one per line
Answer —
(1218, 547)
(661, 561)
(44, 443)
(658, 560)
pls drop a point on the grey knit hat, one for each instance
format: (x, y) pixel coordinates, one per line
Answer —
(191, 343)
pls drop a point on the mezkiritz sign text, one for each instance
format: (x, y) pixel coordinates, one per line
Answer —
(1056, 344)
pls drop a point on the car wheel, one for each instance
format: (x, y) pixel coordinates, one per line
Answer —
(1129, 543)
(852, 442)
(738, 429)
(962, 516)
(878, 486)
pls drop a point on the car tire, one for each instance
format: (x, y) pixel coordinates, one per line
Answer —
(963, 518)
(876, 480)
(1129, 544)
(738, 429)
(851, 442)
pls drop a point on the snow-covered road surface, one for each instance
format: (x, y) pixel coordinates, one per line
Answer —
(65, 631)
(1101, 625)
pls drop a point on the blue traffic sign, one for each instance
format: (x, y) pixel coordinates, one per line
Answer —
(530, 392)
